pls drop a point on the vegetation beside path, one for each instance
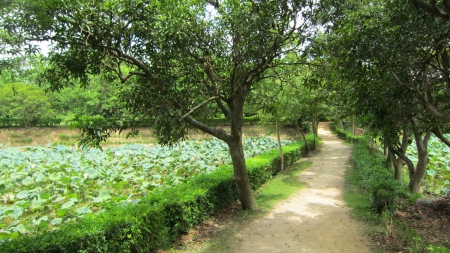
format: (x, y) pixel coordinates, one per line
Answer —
(386, 204)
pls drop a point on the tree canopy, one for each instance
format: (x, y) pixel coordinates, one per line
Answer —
(178, 62)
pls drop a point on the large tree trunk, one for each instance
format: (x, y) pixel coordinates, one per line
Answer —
(240, 175)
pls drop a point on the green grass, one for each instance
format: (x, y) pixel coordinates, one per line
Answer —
(357, 198)
(281, 187)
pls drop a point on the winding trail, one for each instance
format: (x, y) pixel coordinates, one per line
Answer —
(313, 220)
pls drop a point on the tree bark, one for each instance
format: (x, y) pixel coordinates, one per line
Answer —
(416, 177)
(240, 175)
(234, 142)
(398, 162)
(277, 126)
(303, 136)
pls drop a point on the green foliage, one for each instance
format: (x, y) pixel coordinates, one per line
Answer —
(377, 178)
(55, 185)
(437, 179)
(6, 122)
(155, 221)
(25, 102)
(437, 249)
(345, 135)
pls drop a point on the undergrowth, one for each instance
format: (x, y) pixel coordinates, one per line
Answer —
(373, 195)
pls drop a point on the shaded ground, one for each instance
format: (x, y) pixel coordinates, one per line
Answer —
(429, 218)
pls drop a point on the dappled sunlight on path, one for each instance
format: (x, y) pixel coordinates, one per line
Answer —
(313, 220)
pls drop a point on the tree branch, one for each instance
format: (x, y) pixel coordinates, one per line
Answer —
(218, 133)
(438, 133)
(198, 106)
(433, 10)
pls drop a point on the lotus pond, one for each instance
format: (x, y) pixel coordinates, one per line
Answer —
(41, 188)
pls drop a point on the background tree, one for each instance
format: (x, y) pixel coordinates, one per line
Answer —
(25, 102)
(178, 62)
(384, 51)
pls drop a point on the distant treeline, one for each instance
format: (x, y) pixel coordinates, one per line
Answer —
(6, 122)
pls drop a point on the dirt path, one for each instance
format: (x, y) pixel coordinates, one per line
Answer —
(314, 219)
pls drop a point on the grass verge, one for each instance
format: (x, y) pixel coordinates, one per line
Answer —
(278, 188)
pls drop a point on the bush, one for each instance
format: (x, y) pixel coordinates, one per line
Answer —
(345, 135)
(377, 178)
(159, 218)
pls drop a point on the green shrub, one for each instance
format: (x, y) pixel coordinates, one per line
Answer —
(64, 137)
(377, 178)
(345, 135)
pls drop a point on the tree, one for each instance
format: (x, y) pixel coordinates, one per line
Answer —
(179, 62)
(385, 53)
(25, 102)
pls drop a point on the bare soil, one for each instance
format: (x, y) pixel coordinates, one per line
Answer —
(35, 136)
(429, 217)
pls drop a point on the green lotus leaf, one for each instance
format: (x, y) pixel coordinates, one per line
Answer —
(83, 210)
(68, 204)
(92, 173)
(61, 213)
(36, 204)
(56, 221)
(21, 229)
(45, 195)
(55, 177)
(23, 194)
(28, 181)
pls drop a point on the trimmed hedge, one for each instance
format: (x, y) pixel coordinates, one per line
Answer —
(376, 176)
(160, 217)
(345, 135)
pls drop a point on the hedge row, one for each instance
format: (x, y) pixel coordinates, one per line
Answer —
(376, 176)
(345, 135)
(36, 122)
(160, 217)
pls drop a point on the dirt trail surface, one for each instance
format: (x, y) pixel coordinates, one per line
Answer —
(313, 220)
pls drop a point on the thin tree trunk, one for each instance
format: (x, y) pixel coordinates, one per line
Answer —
(416, 178)
(397, 162)
(277, 126)
(303, 136)
(352, 125)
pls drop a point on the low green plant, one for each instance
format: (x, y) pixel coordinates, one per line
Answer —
(437, 249)
(64, 137)
(154, 221)
(25, 140)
